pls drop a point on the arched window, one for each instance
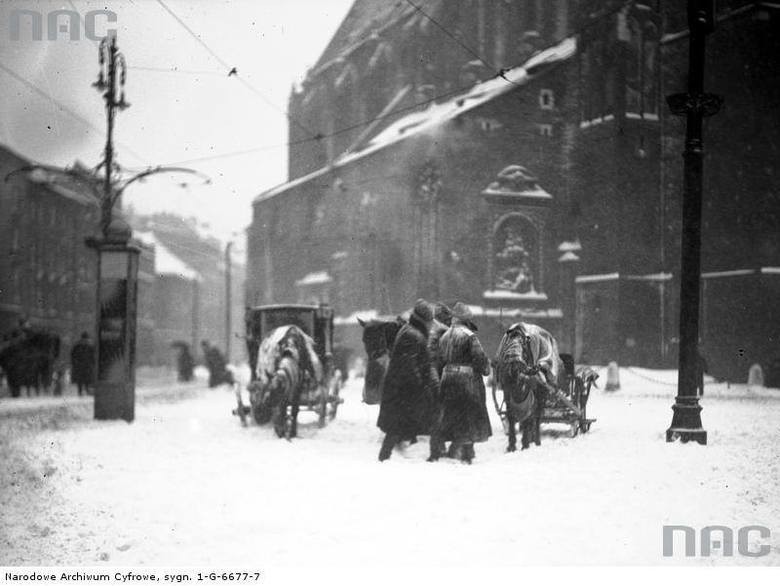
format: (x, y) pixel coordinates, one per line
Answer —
(516, 253)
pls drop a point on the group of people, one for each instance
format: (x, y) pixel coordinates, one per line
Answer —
(30, 358)
(213, 359)
(434, 385)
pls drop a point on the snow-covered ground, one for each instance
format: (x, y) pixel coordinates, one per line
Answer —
(185, 484)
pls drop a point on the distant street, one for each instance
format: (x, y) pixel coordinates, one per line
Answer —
(185, 483)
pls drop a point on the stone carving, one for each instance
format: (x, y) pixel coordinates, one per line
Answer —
(513, 258)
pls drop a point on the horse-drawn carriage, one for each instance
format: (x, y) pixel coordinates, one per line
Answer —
(290, 351)
(533, 384)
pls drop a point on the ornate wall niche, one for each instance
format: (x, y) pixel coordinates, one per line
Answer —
(518, 209)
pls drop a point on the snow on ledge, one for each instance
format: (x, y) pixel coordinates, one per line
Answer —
(479, 311)
(317, 278)
(503, 294)
(351, 319)
(597, 278)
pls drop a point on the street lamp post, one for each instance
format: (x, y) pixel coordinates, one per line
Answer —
(117, 273)
(117, 269)
(694, 105)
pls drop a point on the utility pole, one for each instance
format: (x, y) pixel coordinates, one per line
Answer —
(228, 300)
(694, 105)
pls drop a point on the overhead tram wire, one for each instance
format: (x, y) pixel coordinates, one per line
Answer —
(323, 136)
(63, 107)
(443, 29)
(230, 69)
(317, 137)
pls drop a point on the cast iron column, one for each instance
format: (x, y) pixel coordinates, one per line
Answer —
(694, 105)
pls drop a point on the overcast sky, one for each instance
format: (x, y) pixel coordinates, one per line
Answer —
(175, 117)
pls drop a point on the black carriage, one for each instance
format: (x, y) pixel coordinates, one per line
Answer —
(567, 404)
(320, 394)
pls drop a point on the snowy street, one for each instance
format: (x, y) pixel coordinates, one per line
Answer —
(185, 484)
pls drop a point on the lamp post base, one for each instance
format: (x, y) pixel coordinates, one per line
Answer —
(686, 422)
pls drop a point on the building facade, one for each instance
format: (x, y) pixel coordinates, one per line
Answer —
(48, 273)
(541, 181)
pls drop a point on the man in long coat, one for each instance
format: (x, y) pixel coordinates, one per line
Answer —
(408, 405)
(464, 417)
(82, 364)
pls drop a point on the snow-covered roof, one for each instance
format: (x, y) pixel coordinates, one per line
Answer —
(316, 278)
(165, 262)
(439, 113)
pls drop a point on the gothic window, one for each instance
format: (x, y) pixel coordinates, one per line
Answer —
(545, 130)
(426, 196)
(515, 255)
(641, 76)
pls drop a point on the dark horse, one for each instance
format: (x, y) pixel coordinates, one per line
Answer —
(378, 339)
(527, 365)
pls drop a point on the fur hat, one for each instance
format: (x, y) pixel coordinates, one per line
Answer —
(422, 309)
(462, 312)
(442, 313)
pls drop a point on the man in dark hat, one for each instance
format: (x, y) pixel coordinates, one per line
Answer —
(408, 396)
(82, 364)
(463, 363)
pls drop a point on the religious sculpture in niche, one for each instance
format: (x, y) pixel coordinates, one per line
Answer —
(514, 249)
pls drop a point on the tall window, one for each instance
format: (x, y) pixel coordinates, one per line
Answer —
(641, 75)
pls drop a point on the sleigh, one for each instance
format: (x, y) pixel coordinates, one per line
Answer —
(566, 403)
(317, 388)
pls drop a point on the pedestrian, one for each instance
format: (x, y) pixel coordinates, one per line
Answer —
(408, 397)
(464, 417)
(82, 365)
(185, 363)
(216, 364)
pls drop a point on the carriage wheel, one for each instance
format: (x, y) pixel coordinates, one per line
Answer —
(585, 426)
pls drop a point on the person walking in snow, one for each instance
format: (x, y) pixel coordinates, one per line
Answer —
(462, 362)
(82, 364)
(407, 408)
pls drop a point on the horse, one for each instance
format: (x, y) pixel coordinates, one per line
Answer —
(527, 365)
(287, 366)
(378, 339)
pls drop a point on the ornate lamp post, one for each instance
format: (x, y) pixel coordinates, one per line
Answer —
(117, 270)
(694, 105)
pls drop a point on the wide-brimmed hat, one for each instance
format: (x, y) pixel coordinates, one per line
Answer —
(462, 312)
(422, 309)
